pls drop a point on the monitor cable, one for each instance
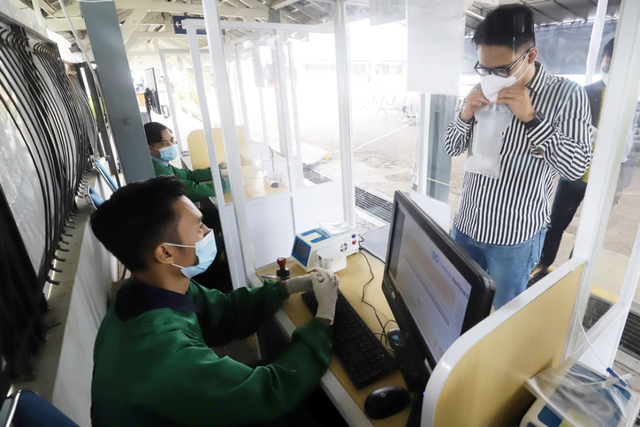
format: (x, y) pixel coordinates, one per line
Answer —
(383, 326)
(364, 289)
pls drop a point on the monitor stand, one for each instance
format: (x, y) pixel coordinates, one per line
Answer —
(409, 360)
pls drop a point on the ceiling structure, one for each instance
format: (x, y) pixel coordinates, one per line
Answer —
(547, 12)
(147, 24)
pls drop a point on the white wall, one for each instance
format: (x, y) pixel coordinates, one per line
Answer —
(79, 303)
(96, 271)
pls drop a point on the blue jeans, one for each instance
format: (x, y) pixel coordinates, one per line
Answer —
(508, 265)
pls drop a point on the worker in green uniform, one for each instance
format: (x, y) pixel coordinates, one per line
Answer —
(153, 365)
(163, 149)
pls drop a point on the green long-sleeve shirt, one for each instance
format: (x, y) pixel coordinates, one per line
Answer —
(194, 181)
(153, 365)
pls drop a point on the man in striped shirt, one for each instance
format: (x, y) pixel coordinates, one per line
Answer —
(501, 221)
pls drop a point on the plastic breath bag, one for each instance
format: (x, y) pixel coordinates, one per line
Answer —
(581, 397)
(492, 120)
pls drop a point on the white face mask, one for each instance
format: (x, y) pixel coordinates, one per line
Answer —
(206, 251)
(605, 79)
(492, 84)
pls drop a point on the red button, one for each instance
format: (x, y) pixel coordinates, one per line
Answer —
(353, 243)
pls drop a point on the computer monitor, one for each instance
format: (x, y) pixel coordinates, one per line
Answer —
(435, 290)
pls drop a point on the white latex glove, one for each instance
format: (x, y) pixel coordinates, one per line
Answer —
(301, 283)
(326, 292)
(304, 284)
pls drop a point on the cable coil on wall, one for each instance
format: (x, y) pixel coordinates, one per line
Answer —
(47, 130)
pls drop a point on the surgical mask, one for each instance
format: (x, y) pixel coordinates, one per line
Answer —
(206, 251)
(492, 84)
(168, 153)
(605, 79)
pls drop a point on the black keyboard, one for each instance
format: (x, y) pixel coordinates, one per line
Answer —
(362, 354)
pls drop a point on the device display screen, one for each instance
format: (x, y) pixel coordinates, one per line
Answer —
(434, 291)
(302, 250)
(311, 237)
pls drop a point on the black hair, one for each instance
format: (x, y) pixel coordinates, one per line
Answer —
(608, 49)
(508, 25)
(137, 218)
(153, 132)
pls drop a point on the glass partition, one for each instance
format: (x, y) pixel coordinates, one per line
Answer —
(620, 234)
(283, 97)
(312, 97)
(256, 101)
(181, 86)
(385, 119)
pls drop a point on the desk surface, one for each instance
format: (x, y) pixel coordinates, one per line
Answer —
(254, 183)
(351, 281)
(252, 180)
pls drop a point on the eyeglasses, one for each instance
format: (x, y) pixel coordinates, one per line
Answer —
(499, 71)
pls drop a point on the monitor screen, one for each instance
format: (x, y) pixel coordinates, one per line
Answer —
(433, 290)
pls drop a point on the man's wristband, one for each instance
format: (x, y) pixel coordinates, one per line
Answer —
(537, 119)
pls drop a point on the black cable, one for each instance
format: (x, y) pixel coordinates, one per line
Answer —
(15, 78)
(364, 290)
(54, 125)
(384, 332)
(384, 326)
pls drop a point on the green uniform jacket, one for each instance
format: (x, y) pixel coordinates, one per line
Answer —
(194, 181)
(155, 368)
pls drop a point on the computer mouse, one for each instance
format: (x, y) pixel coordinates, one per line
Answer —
(386, 401)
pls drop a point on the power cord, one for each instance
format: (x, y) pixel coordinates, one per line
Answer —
(382, 334)
(364, 291)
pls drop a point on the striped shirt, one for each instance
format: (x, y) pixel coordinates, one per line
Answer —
(513, 208)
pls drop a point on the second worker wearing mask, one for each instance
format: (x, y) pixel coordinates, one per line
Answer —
(164, 149)
(501, 221)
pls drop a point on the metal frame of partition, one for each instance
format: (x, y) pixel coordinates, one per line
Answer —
(236, 264)
(614, 121)
(617, 113)
(214, 28)
(167, 83)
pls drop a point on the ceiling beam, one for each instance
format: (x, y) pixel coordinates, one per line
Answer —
(586, 18)
(255, 4)
(132, 23)
(279, 4)
(135, 19)
(243, 13)
(73, 9)
(133, 40)
(158, 35)
(46, 7)
(475, 16)
(157, 20)
(60, 24)
(180, 8)
(363, 3)
(234, 3)
(141, 8)
(159, 6)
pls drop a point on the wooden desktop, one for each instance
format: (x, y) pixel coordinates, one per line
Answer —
(352, 279)
(253, 178)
